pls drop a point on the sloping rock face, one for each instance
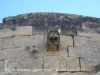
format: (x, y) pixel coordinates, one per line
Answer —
(23, 48)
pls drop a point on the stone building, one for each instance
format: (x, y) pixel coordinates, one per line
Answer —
(23, 49)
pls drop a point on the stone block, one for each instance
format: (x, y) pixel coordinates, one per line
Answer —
(78, 40)
(32, 73)
(10, 23)
(23, 22)
(86, 65)
(6, 43)
(5, 73)
(35, 40)
(39, 30)
(21, 52)
(72, 52)
(75, 73)
(66, 64)
(24, 63)
(60, 53)
(51, 63)
(39, 73)
(61, 63)
(91, 25)
(6, 32)
(24, 30)
(39, 22)
(66, 41)
(72, 23)
(89, 53)
(88, 33)
(67, 31)
(2, 66)
(51, 73)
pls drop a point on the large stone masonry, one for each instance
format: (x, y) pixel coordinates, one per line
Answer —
(23, 45)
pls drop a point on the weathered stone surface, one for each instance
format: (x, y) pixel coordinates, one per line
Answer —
(32, 73)
(35, 40)
(78, 41)
(71, 16)
(72, 52)
(58, 22)
(97, 73)
(53, 16)
(88, 66)
(38, 22)
(89, 52)
(68, 22)
(10, 18)
(2, 65)
(40, 30)
(51, 62)
(6, 33)
(51, 73)
(67, 63)
(23, 22)
(10, 23)
(87, 33)
(90, 25)
(66, 41)
(6, 43)
(35, 72)
(51, 22)
(24, 30)
(21, 52)
(61, 63)
(66, 30)
(22, 16)
(91, 19)
(25, 63)
(75, 73)
(60, 53)
(38, 15)
(5, 73)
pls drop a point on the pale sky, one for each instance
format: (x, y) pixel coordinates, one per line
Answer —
(81, 7)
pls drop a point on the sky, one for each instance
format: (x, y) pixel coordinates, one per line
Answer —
(81, 7)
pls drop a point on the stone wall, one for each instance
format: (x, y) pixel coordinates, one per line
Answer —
(23, 45)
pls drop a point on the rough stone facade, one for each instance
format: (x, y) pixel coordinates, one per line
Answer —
(23, 48)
